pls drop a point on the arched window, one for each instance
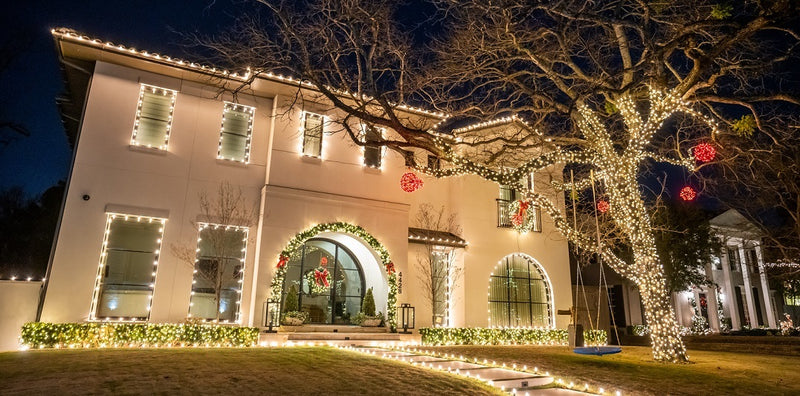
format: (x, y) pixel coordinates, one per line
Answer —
(328, 279)
(519, 294)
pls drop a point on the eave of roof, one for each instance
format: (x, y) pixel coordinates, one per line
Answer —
(433, 237)
(70, 35)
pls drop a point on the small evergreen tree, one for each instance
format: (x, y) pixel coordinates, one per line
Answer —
(290, 305)
(368, 306)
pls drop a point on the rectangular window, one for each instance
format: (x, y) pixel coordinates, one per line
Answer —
(218, 273)
(153, 117)
(237, 128)
(372, 153)
(313, 125)
(127, 271)
(434, 162)
(733, 259)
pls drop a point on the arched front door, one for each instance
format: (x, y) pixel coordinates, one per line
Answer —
(329, 281)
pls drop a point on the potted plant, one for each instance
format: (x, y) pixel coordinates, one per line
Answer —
(292, 315)
(367, 316)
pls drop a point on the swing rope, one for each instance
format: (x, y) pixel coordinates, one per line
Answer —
(603, 280)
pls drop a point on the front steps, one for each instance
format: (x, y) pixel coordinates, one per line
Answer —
(336, 335)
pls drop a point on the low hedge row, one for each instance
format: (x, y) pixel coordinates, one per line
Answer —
(497, 336)
(93, 335)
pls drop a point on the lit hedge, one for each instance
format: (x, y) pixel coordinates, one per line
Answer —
(94, 335)
(501, 336)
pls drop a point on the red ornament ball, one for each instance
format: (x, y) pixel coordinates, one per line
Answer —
(410, 182)
(603, 206)
(704, 152)
(688, 194)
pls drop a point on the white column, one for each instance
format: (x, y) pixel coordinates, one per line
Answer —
(728, 290)
(713, 316)
(748, 287)
(765, 290)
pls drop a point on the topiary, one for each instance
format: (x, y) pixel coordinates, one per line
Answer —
(368, 306)
(291, 303)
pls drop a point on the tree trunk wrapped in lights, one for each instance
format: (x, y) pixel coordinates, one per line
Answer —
(611, 87)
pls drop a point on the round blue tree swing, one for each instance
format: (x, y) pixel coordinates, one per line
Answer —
(591, 350)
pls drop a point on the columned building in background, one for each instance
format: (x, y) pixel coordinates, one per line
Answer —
(742, 297)
(154, 134)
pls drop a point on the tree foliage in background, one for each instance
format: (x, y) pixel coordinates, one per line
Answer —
(611, 86)
(27, 226)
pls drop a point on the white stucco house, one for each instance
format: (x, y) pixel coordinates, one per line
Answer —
(154, 132)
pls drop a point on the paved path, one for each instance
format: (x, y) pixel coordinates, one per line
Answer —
(511, 380)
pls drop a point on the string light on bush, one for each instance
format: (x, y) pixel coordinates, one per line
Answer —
(704, 152)
(688, 194)
(410, 182)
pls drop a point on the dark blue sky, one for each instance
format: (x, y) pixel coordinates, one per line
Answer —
(33, 80)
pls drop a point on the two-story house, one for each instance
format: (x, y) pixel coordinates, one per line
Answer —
(154, 134)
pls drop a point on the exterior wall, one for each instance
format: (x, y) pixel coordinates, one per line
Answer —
(293, 193)
(145, 182)
(18, 304)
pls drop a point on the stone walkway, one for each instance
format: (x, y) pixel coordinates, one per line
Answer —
(511, 380)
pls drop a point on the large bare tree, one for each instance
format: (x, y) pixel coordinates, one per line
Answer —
(610, 87)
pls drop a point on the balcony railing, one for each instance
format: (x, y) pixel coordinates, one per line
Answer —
(504, 215)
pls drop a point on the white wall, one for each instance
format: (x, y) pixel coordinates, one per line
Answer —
(299, 193)
(18, 304)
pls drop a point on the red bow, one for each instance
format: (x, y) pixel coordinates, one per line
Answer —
(282, 262)
(390, 267)
(519, 217)
(321, 277)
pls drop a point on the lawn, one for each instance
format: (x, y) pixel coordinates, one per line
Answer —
(634, 372)
(296, 370)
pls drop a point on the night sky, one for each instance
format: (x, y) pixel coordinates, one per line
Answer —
(33, 80)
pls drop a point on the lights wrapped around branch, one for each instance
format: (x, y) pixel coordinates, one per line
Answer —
(410, 182)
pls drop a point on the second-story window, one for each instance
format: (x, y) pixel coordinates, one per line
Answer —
(312, 134)
(733, 259)
(153, 117)
(237, 129)
(372, 153)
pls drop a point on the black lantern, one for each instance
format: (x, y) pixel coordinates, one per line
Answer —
(407, 317)
(272, 315)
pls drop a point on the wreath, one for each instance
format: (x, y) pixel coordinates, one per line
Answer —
(521, 217)
(319, 279)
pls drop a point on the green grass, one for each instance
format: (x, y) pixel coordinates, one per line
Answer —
(634, 372)
(297, 371)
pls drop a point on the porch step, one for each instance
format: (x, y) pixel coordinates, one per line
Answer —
(341, 336)
(332, 329)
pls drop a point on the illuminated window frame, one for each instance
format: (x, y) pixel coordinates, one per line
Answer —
(200, 228)
(303, 120)
(364, 148)
(230, 106)
(110, 217)
(551, 318)
(154, 89)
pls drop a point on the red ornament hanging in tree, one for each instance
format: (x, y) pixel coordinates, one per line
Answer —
(704, 152)
(603, 206)
(410, 182)
(688, 194)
